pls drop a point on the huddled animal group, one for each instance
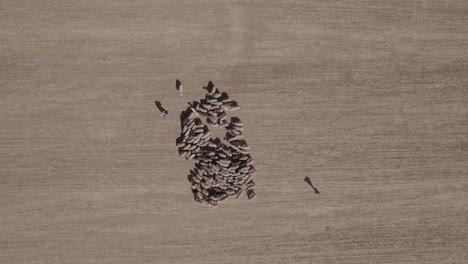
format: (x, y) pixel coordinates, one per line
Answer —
(222, 170)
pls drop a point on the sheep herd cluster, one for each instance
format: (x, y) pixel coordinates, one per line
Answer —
(222, 170)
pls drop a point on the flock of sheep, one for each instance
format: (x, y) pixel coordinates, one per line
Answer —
(222, 170)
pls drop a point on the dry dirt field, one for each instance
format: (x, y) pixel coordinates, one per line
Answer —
(367, 98)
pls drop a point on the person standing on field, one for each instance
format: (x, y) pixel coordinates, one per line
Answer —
(179, 87)
(164, 112)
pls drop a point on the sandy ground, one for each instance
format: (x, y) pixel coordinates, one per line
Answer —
(367, 98)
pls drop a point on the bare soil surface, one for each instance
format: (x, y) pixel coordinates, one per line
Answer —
(368, 99)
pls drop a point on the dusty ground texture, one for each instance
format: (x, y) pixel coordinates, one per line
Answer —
(367, 98)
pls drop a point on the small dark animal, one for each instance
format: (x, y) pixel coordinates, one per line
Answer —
(307, 179)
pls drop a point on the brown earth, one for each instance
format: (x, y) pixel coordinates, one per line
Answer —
(367, 98)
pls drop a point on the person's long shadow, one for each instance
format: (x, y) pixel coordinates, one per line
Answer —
(307, 179)
(177, 84)
(159, 106)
